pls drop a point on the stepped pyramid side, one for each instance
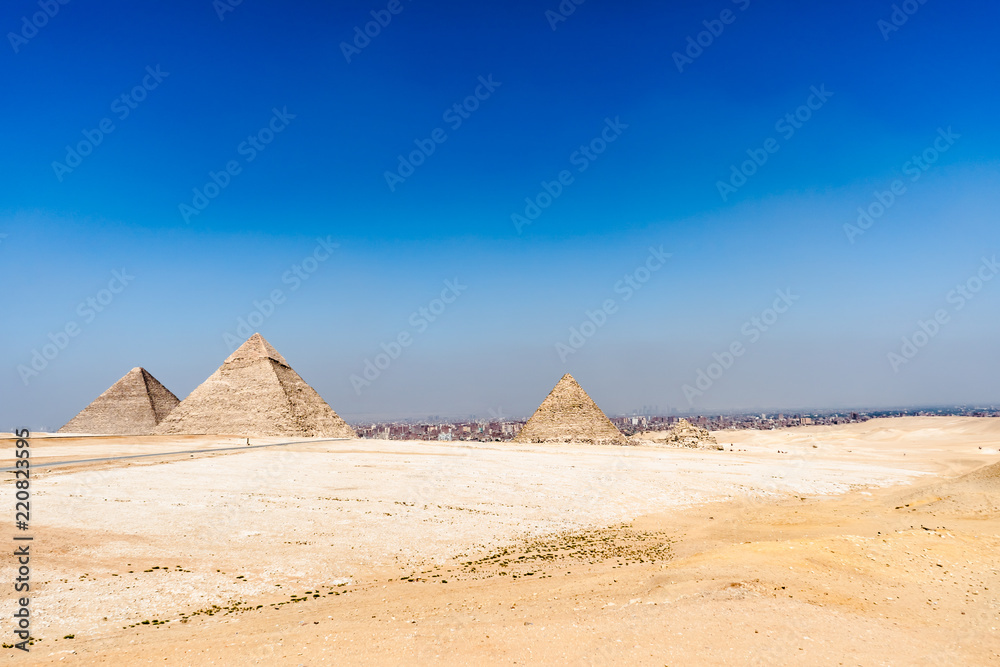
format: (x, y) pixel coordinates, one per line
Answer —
(568, 414)
(255, 393)
(133, 405)
(308, 407)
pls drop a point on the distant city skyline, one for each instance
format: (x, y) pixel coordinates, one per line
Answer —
(954, 410)
(492, 430)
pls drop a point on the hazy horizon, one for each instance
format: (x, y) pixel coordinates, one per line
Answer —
(672, 233)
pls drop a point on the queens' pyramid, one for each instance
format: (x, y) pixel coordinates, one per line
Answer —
(132, 406)
(568, 414)
(255, 393)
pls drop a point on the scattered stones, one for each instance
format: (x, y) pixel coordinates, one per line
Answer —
(681, 434)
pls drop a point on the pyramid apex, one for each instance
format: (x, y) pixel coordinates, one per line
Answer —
(139, 373)
(568, 380)
(256, 348)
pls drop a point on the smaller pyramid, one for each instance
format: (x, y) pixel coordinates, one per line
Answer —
(568, 414)
(132, 406)
(256, 393)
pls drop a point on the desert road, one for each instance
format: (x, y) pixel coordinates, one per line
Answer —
(186, 451)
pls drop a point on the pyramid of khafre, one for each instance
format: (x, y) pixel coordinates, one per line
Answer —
(132, 406)
(568, 414)
(255, 392)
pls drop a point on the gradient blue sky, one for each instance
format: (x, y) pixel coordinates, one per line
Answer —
(494, 348)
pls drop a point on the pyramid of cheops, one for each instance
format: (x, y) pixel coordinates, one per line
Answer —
(255, 393)
(568, 414)
(132, 406)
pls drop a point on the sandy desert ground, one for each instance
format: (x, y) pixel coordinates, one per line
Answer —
(862, 544)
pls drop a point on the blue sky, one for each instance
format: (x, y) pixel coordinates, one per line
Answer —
(327, 131)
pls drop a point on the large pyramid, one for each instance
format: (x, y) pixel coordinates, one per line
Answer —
(255, 393)
(132, 406)
(568, 414)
